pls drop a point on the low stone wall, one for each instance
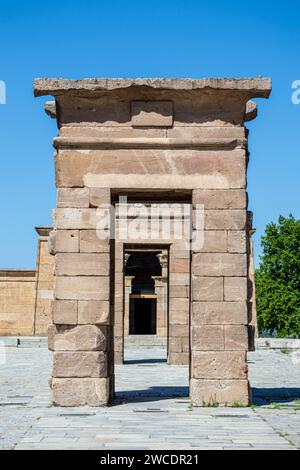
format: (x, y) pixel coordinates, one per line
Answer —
(277, 343)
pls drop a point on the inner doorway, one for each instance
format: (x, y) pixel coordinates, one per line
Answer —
(145, 293)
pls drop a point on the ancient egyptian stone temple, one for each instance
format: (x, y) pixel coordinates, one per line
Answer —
(151, 232)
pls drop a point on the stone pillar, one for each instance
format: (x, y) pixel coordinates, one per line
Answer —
(44, 284)
(219, 332)
(179, 304)
(119, 304)
(252, 317)
(83, 361)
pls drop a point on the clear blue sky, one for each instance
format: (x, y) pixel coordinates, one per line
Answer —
(169, 38)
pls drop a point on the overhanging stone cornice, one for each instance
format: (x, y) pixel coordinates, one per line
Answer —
(43, 231)
(252, 87)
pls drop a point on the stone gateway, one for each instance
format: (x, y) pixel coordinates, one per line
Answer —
(140, 146)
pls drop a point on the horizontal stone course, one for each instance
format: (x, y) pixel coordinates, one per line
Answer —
(80, 391)
(219, 365)
(223, 392)
(82, 287)
(220, 199)
(219, 313)
(219, 264)
(79, 364)
(82, 338)
(71, 218)
(72, 197)
(181, 169)
(233, 219)
(82, 264)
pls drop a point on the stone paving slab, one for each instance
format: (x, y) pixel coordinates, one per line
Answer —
(151, 411)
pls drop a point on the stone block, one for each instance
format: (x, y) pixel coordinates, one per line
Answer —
(51, 333)
(207, 288)
(125, 169)
(175, 344)
(72, 197)
(64, 312)
(237, 241)
(185, 341)
(207, 338)
(223, 392)
(179, 311)
(220, 198)
(91, 243)
(178, 330)
(219, 365)
(80, 392)
(79, 364)
(179, 279)
(82, 288)
(206, 132)
(99, 197)
(206, 313)
(178, 359)
(71, 218)
(236, 338)
(235, 289)
(82, 264)
(179, 291)
(93, 312)
(63, 241)
(219, 264)
(233, 219)
(214, 241)
(82, 338)
(179, 265)
(152, 113)
(118, 357)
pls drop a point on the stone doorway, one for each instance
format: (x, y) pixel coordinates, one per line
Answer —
(143, 273)
(154, 140)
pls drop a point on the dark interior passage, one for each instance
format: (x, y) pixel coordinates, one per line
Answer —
(142, 316)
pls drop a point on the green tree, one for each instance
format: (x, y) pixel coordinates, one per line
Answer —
(278, 279)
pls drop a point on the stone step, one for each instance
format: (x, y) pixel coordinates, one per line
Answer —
(147, 341)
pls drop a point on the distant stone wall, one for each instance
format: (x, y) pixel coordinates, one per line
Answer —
(26, 295)
(17, 302)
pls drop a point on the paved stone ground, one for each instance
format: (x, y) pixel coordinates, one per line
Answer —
(152, 410)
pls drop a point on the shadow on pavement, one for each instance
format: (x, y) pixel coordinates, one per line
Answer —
(266, 396)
